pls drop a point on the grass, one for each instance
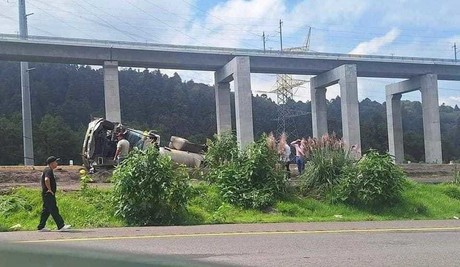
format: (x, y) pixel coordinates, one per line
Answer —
(91, 209)
(94, 208)
(419, 201)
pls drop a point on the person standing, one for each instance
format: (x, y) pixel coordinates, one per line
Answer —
(122, 148)
(284, 150)
(48, 183)
(299, 155)
(152, 141)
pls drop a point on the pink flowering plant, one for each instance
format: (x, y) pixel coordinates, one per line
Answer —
(327, 157)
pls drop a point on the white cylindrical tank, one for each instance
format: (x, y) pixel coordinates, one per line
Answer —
(189, 159)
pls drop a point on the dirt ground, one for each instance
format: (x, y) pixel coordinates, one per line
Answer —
(68, 177)
(431, 173)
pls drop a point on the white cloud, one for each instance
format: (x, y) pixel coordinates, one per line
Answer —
(374, 45)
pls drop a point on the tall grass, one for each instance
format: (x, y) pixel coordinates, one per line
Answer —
(328, 158)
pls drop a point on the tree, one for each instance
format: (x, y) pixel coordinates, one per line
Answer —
(11, 139)
(153, 100)
(54, 137)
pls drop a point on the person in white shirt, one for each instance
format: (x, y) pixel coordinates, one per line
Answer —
(284, 150)
(122, 148)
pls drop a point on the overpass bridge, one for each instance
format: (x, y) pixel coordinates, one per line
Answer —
(135, 54)
(230, 64)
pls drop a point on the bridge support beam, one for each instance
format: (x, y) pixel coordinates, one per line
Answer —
(395, 130)
(318, 109)
(428, 86)
(112, 92)
(237, 70)
(223, 108)
(346, 77)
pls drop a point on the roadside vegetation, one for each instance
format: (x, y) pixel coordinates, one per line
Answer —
(206, 206)
(247, 186)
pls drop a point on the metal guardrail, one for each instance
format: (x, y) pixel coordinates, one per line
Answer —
(226, 50)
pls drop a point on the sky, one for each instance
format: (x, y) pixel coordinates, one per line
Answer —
(416, 28)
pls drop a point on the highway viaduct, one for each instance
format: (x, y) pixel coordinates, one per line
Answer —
(236, 65)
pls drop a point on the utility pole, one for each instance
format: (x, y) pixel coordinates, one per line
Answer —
(281, 35)
(25, 92)
(264, 39)
(455, 51)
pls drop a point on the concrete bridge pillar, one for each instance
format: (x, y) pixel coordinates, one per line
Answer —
(318, 110)
(346, 77)
(112, 91)
(431, 119)
(238, 70)
(395, 130)
(428, 85)
(223, 108)
(350, 105)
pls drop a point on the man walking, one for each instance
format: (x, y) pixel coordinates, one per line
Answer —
(48, 183)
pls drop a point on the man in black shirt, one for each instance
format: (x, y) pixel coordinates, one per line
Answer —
(48, 183)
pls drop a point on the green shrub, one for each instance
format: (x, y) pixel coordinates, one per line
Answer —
(327, 160)
(374, 182)
(251, 179)
(150, 190)
(222, 150)
(9, 204)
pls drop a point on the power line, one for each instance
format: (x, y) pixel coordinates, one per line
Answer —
(162, 22)
(226, 22)
(106, 25)
(127, 23)
(189, 20)
(64, 22)
(32, 26)
(126, 33)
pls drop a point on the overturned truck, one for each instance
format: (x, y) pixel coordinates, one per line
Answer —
(100, 145)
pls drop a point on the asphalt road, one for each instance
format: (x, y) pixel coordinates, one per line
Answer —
(394, 243)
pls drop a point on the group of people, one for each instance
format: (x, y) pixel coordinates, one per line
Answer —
(284, 150)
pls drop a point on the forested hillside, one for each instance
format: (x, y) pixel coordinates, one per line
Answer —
(66, 97)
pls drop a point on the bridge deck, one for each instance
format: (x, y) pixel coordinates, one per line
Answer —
(131, 54)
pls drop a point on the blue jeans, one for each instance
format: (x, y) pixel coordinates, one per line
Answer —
(300, 164)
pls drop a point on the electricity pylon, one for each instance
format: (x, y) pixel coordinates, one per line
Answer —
(285, 86)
